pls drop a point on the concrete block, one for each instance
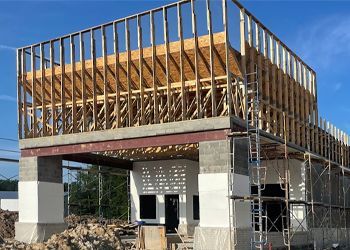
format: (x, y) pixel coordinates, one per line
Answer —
(47, 169)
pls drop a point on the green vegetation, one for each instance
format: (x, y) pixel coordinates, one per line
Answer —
(8, 185)
(84, 193)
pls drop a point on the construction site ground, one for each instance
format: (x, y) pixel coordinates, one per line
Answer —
(84, 232)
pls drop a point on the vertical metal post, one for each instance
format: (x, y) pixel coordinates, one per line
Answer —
(100, 193)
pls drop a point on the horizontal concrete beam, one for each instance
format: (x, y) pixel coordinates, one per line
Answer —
(181, 127)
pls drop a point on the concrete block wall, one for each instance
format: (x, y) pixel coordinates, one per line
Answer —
(215, 160)
(40, 201)
(46, 169)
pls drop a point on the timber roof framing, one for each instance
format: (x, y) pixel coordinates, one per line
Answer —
(179, 62)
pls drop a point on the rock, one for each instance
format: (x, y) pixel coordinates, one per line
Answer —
(7, 224)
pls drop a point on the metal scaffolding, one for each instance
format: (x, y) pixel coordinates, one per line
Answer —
(101, 185)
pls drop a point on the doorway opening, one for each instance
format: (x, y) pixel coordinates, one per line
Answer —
(172, 210)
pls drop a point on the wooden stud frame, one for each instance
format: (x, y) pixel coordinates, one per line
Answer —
(193, 77)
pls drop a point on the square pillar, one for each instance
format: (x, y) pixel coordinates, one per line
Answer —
(40, 199)
(216, 158)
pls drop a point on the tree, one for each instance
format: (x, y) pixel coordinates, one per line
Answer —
(8, 185)
(84, 193)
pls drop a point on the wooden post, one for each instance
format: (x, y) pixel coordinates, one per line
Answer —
(142, 94)
(34, 95)
(116, 76)
(167, 69)
(182, 74)
(74, 87)
(53, 98)
(243, 50)
(211, 59)
(20, 73)
(93, 76)
(83, 82)
(43, 82)
(154, 66)
(197, 78)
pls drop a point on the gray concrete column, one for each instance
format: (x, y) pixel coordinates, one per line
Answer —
(41, 199)
(216, 159)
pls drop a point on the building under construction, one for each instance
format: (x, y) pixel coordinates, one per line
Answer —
(214, 117)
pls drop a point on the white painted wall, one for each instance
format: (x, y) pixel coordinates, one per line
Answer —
(40, 202)
(297, 186)
(9, 204)
(165, 177)
(214, 201)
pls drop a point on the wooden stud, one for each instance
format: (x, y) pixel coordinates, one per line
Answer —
(105, 79)
(227, 58)
(195, 40)
(20, 73)
(167, 70)
(267, 80)
(83, 82)
(43, 82)
(154, 67)
(142, 94)
(63, 87)
(182, 75)
(211, 59)
(24, 83)
(34, 95)
(74, 87)
(243, 51)
(116, 76)
(52, 82)
(93, 76)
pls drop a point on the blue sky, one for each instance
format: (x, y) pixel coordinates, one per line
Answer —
(318, 31)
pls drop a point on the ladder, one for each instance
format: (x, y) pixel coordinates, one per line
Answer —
(232, 203)
(257, 171)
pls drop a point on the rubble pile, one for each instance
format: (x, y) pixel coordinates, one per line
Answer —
(7, 224)
(124, 228)
(87, 236)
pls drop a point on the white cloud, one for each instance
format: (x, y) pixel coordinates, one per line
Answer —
(6, 47)
(323, 41)
(8, 98)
